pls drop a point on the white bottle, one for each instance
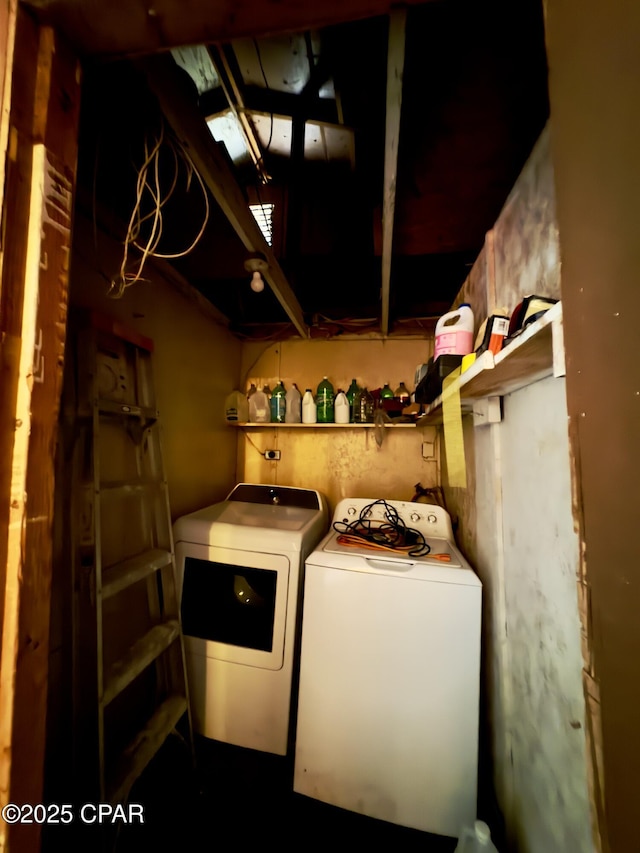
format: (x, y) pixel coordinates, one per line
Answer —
(309, 408)
(476, 839)
(293, 410)
(259, 411)
(341, 408)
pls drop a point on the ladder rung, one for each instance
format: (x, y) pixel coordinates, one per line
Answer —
(124, 574)
(144, 746)
(110, 407)
(143, 652)
(130, 485)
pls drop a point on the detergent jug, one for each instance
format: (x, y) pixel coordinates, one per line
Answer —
(454, 332)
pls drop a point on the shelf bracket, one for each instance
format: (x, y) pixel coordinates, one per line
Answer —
(487, 411)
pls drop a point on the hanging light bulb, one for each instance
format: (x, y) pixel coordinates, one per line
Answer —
(257, 284)
(257, 266)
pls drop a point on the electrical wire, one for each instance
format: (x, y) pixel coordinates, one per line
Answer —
(151, 184)
(392, 534)
(252, 443)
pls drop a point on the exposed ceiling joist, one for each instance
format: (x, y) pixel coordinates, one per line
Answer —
(121, 28)
(395, 70)
(176, 101)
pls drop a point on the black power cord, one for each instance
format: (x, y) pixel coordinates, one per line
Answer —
(390, 534)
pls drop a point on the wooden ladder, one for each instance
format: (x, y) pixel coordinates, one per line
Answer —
(127, 638)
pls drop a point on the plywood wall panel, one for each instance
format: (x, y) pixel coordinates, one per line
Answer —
(526, 243)
(541, 559)
(196, 363)
(340, 463)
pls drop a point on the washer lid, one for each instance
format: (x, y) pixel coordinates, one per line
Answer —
(339, 558)
(438, 546)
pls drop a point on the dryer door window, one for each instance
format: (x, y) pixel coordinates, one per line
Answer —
(234, 604)
(229, 604)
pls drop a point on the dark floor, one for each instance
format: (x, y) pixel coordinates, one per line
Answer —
(236, 798)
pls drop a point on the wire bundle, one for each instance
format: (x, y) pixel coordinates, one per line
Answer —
(389, 535)
(149, 182)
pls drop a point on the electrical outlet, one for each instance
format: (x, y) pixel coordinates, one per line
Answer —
(272, 455)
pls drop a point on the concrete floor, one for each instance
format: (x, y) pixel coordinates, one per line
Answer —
(236, 798)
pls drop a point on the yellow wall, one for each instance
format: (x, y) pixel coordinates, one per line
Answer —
(196, 362)
(338, 462)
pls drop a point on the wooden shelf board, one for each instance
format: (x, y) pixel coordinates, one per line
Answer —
(126, 573)
(525, 361)
(319, 426)
(142, 653)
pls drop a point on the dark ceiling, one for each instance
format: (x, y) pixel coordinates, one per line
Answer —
(474, 101)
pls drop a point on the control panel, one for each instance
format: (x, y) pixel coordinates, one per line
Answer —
(431, 520)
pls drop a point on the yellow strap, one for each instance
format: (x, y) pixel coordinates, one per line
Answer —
(453, 436)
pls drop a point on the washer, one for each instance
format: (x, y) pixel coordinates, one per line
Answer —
(389, 677)
(239, 565)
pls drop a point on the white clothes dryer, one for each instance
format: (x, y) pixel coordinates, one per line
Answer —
(240, 564)
(390, 670)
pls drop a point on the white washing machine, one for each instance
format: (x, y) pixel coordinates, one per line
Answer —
(240, 564)
(390, 672)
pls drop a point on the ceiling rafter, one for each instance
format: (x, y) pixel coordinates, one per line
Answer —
(395, 72)
(177, 103)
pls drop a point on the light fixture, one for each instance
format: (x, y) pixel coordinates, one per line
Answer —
(256, 265)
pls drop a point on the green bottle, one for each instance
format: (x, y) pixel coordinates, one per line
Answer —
(324, 401)
(351, 397)
(386, 393)
(278, 403)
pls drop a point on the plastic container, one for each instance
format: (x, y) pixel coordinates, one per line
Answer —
(259, 412)
(252, 390)
(309, 408)
(363, 407)
(278, 403)
(236, 408)
(324, 400)
(454, 332)
(293, 413)
(342, 409)
(476, 839)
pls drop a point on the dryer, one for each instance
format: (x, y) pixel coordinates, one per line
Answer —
(240, 564)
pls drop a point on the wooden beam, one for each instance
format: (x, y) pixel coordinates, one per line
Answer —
(38, 211)
(117, 28)
(395, 70)
(7, 37)
(176, 101)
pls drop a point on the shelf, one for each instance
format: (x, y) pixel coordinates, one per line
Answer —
(320, 426)
(537, 353)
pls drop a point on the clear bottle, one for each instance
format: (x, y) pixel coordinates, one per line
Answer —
(278, 403)
(309, 409)
(293, 412)
(267, 391)
(363, 407)
(252, 390)
(259, 412)
(324, 400)
(402, 394)
(352, 390)
(341, 408)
